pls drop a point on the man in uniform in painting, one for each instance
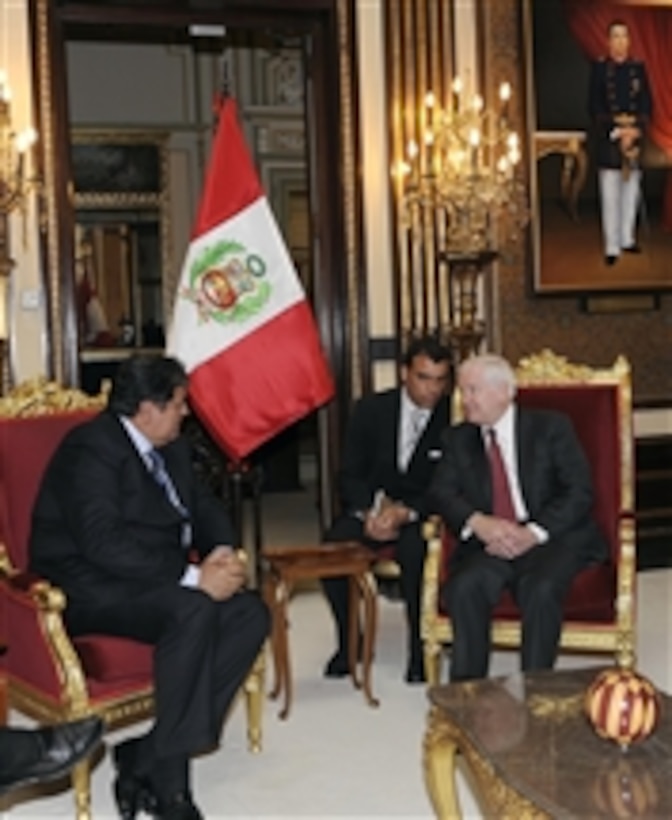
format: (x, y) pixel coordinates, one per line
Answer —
(620, 107)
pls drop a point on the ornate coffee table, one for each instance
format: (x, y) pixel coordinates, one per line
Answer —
(533, 754)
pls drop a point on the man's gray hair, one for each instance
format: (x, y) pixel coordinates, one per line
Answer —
(496, 370)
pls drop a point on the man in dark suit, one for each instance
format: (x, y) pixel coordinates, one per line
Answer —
(514, 488)
(391, 447)
(117, 520)
(620, 107)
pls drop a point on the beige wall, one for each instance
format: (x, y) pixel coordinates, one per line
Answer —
(25, 302)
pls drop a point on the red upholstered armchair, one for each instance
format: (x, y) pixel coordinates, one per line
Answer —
(51, 677)
(600, 609)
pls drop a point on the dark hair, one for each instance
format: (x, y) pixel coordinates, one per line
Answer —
(428, 346)
(145, 377)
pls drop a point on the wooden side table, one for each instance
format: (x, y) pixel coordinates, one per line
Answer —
(286, 566)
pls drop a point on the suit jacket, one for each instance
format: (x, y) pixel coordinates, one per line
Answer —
(554, 476)
(370, 457)
(617, 88)
(102, 527)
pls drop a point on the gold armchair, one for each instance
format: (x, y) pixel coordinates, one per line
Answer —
(600, 609)
(50, 676)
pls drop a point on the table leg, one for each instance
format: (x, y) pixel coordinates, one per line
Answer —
(353, 631)
(270, 590)
(439, 750)
(280, 643)
(368, 596)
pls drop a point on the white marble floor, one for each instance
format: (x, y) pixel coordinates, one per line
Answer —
(335, 756)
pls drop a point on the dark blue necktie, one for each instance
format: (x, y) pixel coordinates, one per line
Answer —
(157, 467)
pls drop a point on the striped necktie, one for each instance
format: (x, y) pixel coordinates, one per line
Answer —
(158, 471)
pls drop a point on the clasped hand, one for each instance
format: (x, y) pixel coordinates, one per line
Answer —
(384, 524)
(502, 538)
(222, 573)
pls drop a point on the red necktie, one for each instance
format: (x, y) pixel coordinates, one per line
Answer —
(502, 502)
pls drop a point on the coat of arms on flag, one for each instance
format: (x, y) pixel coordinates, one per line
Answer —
(227, 284)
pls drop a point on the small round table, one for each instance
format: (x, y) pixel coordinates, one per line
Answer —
(286, 566)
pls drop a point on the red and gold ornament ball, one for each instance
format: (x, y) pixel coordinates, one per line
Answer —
(622, 706)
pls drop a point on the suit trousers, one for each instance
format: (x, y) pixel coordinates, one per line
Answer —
(203, 650)
(539, 581)
(409, 552)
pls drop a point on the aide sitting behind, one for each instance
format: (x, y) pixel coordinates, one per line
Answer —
(118, 512)
(514, 487)
(391, 448)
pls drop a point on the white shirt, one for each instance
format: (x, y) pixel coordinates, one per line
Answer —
(412, 423)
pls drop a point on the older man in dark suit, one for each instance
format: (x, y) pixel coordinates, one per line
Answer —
(116, 523)
(391, 448)
(514, 488)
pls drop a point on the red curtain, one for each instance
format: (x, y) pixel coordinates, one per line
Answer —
(651, 41)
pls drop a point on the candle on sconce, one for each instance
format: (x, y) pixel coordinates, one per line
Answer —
(477, 103)
(474, 142)
(430, 101)
(505, 96)
(412, 151)
(429, 151)
(513, 148)
(457, 87)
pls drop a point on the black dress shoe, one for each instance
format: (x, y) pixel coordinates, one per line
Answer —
(178, 807)
(49, 753)
(610, 260)
(633, 249)
(132, 793)
(337, 666)
(415, 672)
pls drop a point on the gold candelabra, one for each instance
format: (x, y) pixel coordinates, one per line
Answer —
(461, 197)
(14, 187)
(462, 169)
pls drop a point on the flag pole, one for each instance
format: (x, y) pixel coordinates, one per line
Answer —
(243, 473)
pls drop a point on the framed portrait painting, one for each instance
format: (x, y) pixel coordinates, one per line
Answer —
(599, 104)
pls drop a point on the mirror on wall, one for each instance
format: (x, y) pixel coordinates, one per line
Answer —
(121, 238)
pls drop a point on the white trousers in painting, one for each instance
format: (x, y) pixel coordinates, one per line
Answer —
(619, 199)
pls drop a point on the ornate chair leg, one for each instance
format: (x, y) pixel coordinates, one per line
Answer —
(432, 661)
(81, 786)
(254, 702)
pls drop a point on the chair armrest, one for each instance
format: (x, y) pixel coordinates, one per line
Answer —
(34, 614)
(432, 532)
(6, 567)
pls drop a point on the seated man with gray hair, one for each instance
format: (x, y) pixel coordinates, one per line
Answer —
(514, 488)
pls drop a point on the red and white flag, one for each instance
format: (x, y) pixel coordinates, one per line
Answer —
(242, 325)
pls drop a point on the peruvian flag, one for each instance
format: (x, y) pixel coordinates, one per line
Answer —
(242, 325)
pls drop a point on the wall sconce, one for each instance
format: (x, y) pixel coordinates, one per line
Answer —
(14, 188)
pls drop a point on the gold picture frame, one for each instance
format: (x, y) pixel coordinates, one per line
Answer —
(569, 255)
